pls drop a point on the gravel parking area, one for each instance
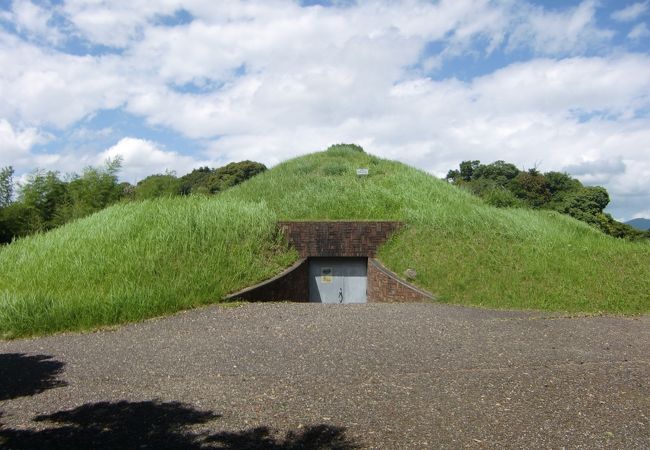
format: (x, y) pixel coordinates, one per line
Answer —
(289, 376)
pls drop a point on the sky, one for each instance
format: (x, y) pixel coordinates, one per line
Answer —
(173, 85)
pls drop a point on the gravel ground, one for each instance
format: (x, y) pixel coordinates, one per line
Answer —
(288, 376)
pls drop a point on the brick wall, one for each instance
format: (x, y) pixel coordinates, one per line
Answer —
(291, 285)
(325, 238)
(386, 286)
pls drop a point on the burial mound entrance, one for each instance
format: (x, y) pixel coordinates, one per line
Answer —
(338, 265)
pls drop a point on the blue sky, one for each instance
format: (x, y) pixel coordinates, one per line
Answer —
(172, 85)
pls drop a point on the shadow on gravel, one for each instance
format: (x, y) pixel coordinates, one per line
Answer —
(154, 424)
(320, 437)
(120, 425)
(22, 375)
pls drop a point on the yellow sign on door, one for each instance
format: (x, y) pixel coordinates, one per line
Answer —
(326, 275)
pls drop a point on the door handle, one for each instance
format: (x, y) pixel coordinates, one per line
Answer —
(340, 295)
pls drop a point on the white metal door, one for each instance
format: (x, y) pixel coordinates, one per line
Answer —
(338, 280)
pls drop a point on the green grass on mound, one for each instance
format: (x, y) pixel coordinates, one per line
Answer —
(135, 261)
(140, 260)
(463, 250)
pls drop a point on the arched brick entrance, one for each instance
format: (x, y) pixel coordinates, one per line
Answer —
(335, 241)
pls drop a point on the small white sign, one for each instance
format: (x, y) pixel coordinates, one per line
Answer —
(362, 172)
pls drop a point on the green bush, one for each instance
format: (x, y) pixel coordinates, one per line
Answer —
(343, 149)
(210, 181)
(556, 191)
(155, 186)
(502, 198)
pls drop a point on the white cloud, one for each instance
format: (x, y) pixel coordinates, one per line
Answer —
(639, 31)
(33, 20)
(565, 32)
(41, 86)
(115, 23)
(85, 134)
(615, 85)
(631, 12)
(268, 80)
(311, 64)
(15, 143)
(143, 157)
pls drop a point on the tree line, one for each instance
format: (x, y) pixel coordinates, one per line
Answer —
(47, 199)
(504, 185)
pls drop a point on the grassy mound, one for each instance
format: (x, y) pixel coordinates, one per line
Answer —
(135, 261)
(138, 260)
(463, 250)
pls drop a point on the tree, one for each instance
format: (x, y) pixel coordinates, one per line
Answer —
(92, 191)
(500, 172)
(532, 188)
(45, 201)
(196, 181)
(453, 176)
(210, 181)
(43, 193)
(127, 190)
(560, 182)
(467, 169)
(502, 184)
(586, 203)
(15, 221)
(237, 172)
(6, 186)
(159, 185)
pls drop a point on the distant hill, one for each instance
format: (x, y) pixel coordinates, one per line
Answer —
(640, 224)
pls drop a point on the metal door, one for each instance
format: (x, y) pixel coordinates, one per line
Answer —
(338, 280)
